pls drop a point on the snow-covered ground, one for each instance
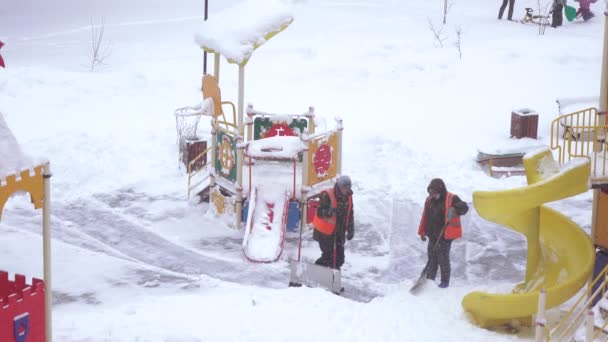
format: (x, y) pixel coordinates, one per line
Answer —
(134, 260)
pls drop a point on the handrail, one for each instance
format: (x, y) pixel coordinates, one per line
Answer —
(227, 124)
(590, 299)
(583, 136)
(233, 123)
(601, 330)
(226, 130)
(193, 173)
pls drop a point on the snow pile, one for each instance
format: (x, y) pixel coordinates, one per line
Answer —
(277, 147)
(511, 146)
(12, 159)
(547, 167)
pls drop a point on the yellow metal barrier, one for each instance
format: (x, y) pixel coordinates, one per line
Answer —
(224, 121)
(582, 134)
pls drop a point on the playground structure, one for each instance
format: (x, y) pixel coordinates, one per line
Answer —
(560, 255)
(272, 148)
(25, 309)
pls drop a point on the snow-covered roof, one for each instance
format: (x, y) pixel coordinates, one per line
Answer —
(237, 31)
(277, 147)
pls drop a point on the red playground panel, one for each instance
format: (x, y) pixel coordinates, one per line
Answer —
(21, 309)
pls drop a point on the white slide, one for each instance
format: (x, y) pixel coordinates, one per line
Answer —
(266, 223)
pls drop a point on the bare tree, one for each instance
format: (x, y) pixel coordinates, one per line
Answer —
(458, 43)
(100, 49)
(446, 8)
(437, 32)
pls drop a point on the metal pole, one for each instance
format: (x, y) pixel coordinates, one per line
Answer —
(589, 326)
(339, 162)
(216, 66)
(601, 122)
(205, 52)
(212, 156)
(540, 316)
(46, 250)
(239, 151)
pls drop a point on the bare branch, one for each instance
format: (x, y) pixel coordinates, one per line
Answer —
(100, 49)
(446, 9)
(437, 33)
(458, 43)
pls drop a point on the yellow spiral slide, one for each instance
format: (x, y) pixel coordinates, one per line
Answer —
(560, 254)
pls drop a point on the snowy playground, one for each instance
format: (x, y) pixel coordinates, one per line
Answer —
(334, 87)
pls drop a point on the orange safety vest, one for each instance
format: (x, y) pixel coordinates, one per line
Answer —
(453, 230)
(328, 225)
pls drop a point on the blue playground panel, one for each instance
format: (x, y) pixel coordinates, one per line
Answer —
(293, 215)
(601, 260)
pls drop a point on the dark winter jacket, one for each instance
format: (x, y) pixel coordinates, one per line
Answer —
(435, 210)
(325, 210)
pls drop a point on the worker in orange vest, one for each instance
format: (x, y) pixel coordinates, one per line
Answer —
(440, 222)
(334, 222)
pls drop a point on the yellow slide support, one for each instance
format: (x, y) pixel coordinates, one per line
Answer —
(560, 254)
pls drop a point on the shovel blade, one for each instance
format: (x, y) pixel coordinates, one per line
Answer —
(313, 275)
(419, 282)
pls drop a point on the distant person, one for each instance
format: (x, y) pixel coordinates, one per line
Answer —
(438, 207)
(502, 9)
(557, 18)
(584, 9)
(333, 222)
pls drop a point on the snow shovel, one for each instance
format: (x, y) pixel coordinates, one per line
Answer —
(422, 279)
(570, 12)
(314, 275)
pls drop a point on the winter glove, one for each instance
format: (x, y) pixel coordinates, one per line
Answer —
(350, 234)
(326, 212)
(422, 237)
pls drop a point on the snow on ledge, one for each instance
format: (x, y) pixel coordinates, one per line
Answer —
(277, 147)
(549, 167)
(536, 151)
(237, 31)
(525, 111)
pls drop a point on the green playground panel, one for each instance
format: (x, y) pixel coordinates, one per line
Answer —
(225, 156)
(263, 125)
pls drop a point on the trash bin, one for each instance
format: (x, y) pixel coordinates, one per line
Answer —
(524, 123)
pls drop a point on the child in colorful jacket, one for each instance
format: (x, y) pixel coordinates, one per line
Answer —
(584, 9)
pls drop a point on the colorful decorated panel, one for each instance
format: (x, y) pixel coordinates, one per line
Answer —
(31, 183)
(22, 314)
(279, 126)
(323, 155)
(601, 224)
(225, 158)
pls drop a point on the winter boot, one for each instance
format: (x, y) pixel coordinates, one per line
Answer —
(322, 262)
(444, 284)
